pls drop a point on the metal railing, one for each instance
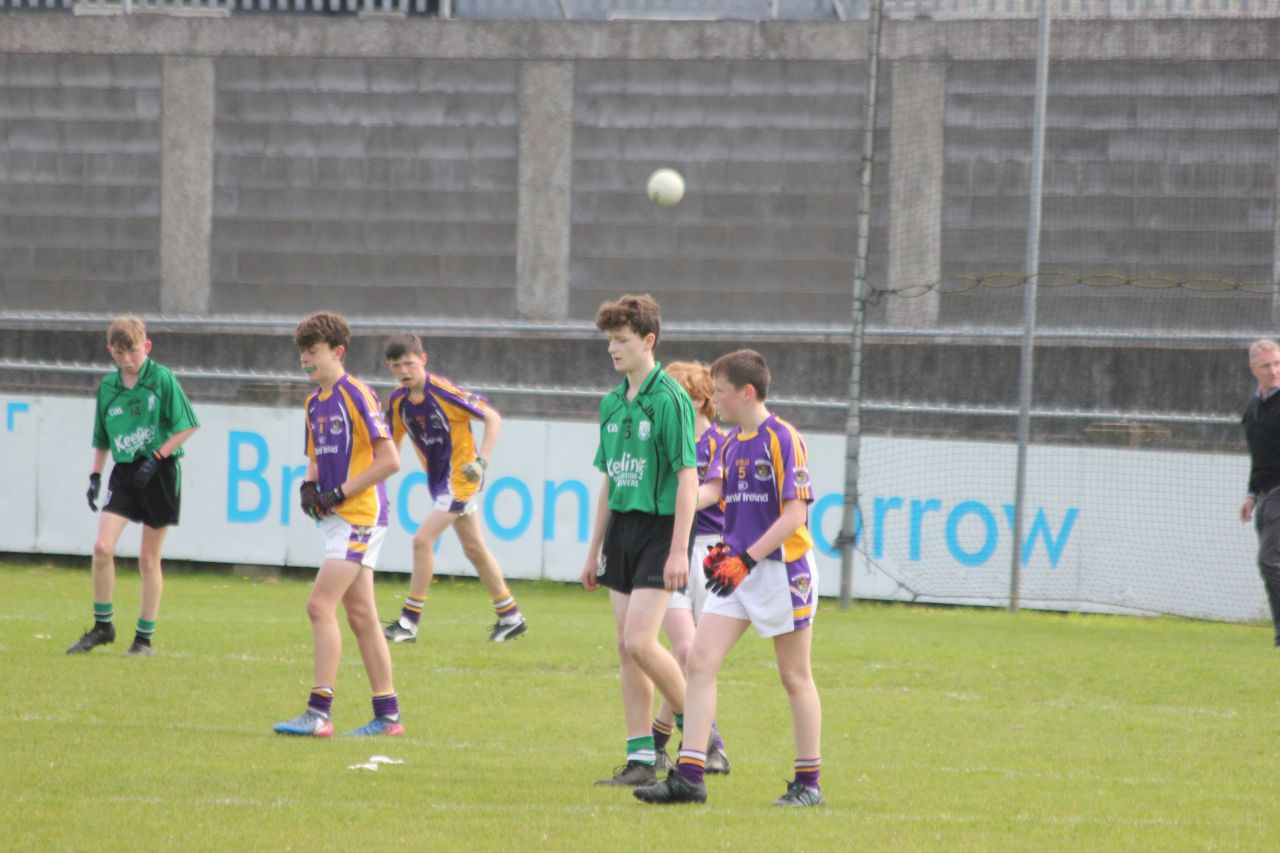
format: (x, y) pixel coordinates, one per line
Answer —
(840, 10)
(546, 391)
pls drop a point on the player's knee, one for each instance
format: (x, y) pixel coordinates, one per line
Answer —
(318, 610)
(423, 543)
(475, 552)
(102, 551)
(698, 666)
(796, 681)
(681, 651)
(359, 618)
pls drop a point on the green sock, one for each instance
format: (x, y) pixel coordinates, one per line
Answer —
(680, 722)
(146, 627)
(103, 612)
(641, 749)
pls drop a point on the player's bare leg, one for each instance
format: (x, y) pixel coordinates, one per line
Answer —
(362, 616)
(637, 688)
(645, 611)
(678, 625)
(110, 526)
(424, 556)
(714, 637)
(103, 632)
(150, 570)
(332, 582)
(794, 668)
(510, 622)
(634, 619)
(404, 628)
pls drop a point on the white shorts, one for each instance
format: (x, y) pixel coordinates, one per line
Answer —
(448, 503)
(694, 595)
(776, 597)
(350, 542)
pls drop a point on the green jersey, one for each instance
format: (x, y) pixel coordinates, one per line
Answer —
(134, 422)
(644, 442)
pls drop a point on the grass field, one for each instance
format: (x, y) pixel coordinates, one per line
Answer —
(944, 729)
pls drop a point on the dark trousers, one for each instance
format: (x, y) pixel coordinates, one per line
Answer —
(1266, 519)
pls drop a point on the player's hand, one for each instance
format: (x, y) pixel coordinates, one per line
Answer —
(675, 574)
(309, 497)
(1246, 508)
(725, 571)
(95, 486)
(591, 571)
(144, 472)
(474, 470)
(329, 500)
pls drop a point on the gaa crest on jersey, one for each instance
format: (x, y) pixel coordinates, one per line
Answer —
(436, 420)
(800, 586)
(764, 469)
(802, 476)
(702, 470)
(335, 426)
(644, 428)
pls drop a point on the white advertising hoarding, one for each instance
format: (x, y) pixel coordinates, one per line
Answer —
(1106, 530)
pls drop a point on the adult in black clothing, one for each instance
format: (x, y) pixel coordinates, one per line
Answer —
(1261, 423)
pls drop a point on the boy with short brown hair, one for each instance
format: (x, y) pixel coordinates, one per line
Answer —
(762, 575)
(349, 457)
(141, 419)
(639, 546)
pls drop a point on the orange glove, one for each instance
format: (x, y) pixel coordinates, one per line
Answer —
(725, 572)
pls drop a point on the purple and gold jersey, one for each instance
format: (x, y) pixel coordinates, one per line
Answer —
(709, 521)
(341, 429)
(439, 426)
(760, 471)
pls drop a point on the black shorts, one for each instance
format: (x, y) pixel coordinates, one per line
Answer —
(157, 505)
(636, 547)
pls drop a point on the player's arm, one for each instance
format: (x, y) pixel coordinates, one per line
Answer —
(726, 570)
(710, 493)
(594, 547)
(95, 477)
(675, 573)
(173, 442)
(788, 522)
(386, 461)
(475, 469)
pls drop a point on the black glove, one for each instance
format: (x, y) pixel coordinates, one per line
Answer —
(330, 499)
(144, 472)
(95, 486)
(309, 493)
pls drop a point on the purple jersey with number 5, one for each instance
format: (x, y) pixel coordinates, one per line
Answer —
(760, 471)
(341, 429)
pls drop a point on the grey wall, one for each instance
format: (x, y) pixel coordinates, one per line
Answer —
(379, 167)
(80, 181)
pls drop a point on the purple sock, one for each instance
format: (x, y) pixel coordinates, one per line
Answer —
(690, 766)
(321, 701)
(661, 734)
(807, 771)
(386, 707)
(412, 610)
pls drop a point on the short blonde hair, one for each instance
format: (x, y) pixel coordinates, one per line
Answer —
(695, 377)
(1260, 346)
(126, 332)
